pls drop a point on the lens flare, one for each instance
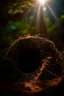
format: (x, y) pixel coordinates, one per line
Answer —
(44, 9)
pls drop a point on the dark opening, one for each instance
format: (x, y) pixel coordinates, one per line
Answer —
(29, 60)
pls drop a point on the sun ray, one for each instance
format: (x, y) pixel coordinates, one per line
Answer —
(52, 12)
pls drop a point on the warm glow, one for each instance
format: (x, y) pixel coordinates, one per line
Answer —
(42, 1)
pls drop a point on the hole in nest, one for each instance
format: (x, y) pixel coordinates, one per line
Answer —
(29, 60)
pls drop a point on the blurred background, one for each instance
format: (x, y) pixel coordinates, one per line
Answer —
(33, 17)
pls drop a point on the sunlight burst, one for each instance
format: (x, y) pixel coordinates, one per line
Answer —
(43, 2)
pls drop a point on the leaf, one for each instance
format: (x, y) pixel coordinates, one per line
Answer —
(17, 6)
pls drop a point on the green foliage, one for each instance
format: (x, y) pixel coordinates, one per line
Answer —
(15, 29)
(17, 7)
(61, 19)
(55, 32)
(22, 28)
(48, 22)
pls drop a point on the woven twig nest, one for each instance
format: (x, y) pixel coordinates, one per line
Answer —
(36, 59)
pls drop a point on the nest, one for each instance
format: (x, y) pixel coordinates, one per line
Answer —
(36, 64)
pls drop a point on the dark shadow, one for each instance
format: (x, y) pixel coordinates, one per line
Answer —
(29, 60)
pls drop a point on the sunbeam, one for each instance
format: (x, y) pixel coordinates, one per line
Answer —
(37, 12)
(38, 20)
(52, 12)
(40, 23)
